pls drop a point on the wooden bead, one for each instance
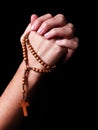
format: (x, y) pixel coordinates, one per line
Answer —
(47, 68)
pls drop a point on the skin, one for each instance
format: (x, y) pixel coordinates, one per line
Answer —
(50, 40)
(61, 30)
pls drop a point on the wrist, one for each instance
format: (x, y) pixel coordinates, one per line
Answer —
(34, 66)
(33, 76)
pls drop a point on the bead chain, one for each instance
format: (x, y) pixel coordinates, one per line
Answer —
(26, 44)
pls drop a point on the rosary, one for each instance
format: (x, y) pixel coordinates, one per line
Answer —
(26, 46)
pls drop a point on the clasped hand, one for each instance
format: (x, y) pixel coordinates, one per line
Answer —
(52, 37)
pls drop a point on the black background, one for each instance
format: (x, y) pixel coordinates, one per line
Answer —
(62, 98)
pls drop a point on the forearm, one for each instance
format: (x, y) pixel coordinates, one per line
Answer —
(12, 96)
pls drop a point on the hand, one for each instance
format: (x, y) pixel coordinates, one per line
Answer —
(58, 28)
(45, 48)
(55, 28)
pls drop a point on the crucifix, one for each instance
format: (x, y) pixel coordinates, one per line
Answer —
(24, 106)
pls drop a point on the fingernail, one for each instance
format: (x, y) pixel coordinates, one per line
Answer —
(58, 41)
(33, 27)
(39, 31)
(46, 35)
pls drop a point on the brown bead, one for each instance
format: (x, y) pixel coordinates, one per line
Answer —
(47, 68)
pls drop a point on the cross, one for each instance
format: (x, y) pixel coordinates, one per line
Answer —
(24, 104)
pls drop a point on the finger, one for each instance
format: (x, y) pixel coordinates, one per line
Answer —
(68, 55)
(33, 18)
(36, 24)
(25, 32)
(57, 21)
(61, 32)
(71, 44)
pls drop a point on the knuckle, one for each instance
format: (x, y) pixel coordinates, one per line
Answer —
(77, 43)
(70, 25)
(70, 31)
(58, 49)
(54, 30)
(38, 20)
(49, 15)
(61, 17)
(45, 24)
(33, 15)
